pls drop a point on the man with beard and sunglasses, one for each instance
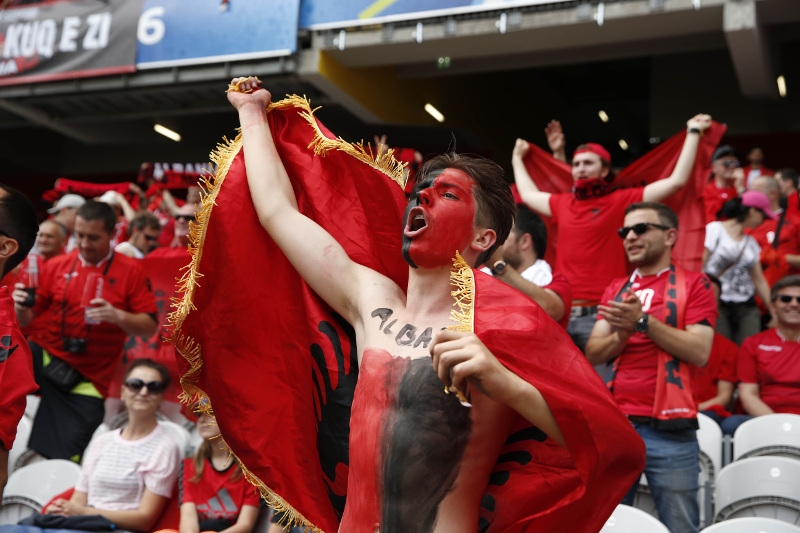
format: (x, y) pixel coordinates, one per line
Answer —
(768, 366)
(651, 327)
(420, 459)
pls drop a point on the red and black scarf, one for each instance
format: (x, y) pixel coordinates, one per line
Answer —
(674, 407)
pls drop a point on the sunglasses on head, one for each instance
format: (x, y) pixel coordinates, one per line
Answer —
(154, 387)
(785, 298)
(187, 218)
(639, 229)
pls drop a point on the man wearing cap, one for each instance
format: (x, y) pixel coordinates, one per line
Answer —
(653, 327)
(727, 181)
(587, 254)
(64, 213)
(90, 299)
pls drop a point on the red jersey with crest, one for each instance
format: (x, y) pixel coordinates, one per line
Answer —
(216, 494)
(587, 230)
(635, 381)
(773, 363)
(62, 297)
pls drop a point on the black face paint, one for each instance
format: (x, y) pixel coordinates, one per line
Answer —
(413, 201)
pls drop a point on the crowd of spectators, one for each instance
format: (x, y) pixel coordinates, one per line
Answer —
(85, 288)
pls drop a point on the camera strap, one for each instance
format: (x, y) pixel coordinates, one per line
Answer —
(66, 294)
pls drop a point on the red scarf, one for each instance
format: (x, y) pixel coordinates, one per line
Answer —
(588, 188)
(674, 407)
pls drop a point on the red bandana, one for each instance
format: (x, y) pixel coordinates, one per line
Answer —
(595, 149)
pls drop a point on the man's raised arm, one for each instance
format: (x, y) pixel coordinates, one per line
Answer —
(534, 198)
(319, 259)
(662, 189)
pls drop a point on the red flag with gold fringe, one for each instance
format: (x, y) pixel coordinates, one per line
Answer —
(280, 368)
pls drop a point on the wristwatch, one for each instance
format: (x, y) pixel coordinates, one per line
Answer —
(499, 268)
(642, 324)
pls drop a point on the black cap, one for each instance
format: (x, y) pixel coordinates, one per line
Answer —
(724, 150)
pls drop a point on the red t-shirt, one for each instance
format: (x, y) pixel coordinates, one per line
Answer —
(635, 381)
(772, 363)
(587, 231)
(788, 240)
(561, 286)
(721, 365)
(216, 495)
(16, 371)
(714, 197)
(62, 297)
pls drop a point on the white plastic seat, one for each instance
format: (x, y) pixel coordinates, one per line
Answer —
(752, 525)
(179, 435)
(775, 434)
(766, 486)
(31, 487)
(627, 519)
(32, 405)
(20, 443)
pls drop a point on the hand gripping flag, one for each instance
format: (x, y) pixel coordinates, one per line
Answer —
(280, 368)
(554, 176)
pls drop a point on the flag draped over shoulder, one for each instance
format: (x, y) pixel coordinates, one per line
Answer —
(537, 485)
(553, 176)
(278, 366)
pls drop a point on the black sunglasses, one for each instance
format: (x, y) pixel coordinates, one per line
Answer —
(150, 238)
(188, 218)
(154, 387)
(785, 298)
(639, 229)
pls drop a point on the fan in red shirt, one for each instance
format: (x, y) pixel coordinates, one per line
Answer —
(768, 365)
(17, 234)
(519, 262)
(653, 327)
(587, 218)
(714, 383)
(756, 168)
(727, 181)
(788, 179)
(91, 299)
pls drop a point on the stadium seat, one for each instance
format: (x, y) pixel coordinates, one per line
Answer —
(31, 487)
(709, 437)
(752, 525)
(32, 405)
(776, 434)
(627, 519)
(20, 443)
(179, 434)
(759, 487)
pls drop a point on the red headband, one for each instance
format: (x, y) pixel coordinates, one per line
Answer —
(595, 149)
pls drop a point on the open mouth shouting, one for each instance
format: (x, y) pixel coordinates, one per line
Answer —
(416, 222)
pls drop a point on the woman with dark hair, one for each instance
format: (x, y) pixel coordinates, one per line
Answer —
(128, 474)
(731, 259)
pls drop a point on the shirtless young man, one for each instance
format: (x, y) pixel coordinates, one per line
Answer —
(419, 461)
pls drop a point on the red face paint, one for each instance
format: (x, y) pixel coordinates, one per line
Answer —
(439, 220)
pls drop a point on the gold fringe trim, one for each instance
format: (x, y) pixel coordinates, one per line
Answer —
(383, 162)
(210, 184)
(461, 277)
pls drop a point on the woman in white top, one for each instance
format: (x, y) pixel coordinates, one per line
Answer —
(731, 258)
(129, 474)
